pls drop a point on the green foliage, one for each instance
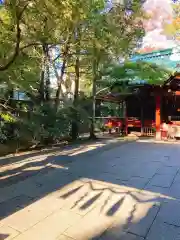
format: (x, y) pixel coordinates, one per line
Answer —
(6, 120)
(88, 38)
(44, 124)
(172, 29)
(131, 71)
(6, 117)
(3, 132)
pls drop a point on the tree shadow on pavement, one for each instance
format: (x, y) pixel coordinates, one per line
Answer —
(3, 236)
(41, 163)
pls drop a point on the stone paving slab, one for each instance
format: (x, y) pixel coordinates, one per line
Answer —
(142, 219)
(51, 227)
(90, 226)
(177, 178)
(34, 213)
(146, 173)
(172, 162)
(168, 170)
(13, 204)
(136, 182)
(163, 231)
(170, 212)
(162, 180)
(174, 191)
(8, 233)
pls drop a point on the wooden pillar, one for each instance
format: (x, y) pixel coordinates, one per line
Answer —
(142, 119)
(126, 118)
(158, 116)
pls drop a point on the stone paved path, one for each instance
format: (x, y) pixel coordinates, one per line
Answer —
(129, 192)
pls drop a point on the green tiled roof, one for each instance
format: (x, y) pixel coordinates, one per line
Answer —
(168, 58)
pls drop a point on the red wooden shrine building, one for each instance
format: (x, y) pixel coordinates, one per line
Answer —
(147, 106)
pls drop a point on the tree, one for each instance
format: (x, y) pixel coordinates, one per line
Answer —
(173, 29)
(86, 36)
(149, 72)
(10, 33)
(114, 35)
(132, 72)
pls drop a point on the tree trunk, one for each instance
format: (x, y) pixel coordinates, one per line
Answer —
(93, 117)
(11, 103)
(60, 78)
(41, 89)
(74, 127)
(41, 86)
(47, 76)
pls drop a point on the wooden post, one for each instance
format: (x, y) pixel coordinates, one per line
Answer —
(158, 117)
(126, 118)
(142, 118)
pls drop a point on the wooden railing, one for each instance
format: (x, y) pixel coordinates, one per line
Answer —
(148, 131)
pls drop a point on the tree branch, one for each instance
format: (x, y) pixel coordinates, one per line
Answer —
(29, 45)
(18, 39)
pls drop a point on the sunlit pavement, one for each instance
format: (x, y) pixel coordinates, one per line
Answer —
(126, 192)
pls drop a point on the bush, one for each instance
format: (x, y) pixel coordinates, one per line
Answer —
(6, 122)
(42, 124)
(45, 125)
